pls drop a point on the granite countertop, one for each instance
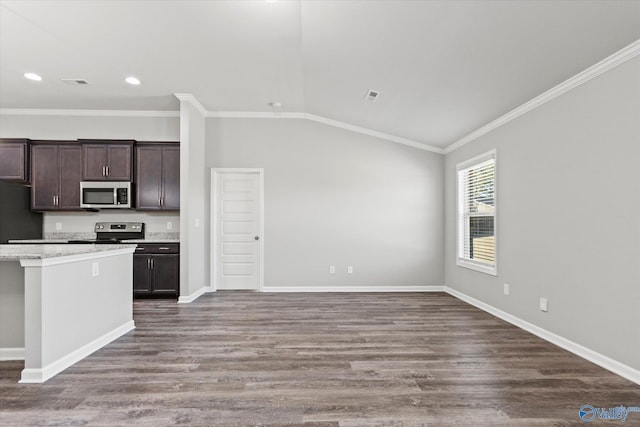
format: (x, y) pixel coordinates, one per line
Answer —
(19, 252)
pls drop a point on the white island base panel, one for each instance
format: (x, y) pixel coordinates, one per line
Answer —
(73, 306)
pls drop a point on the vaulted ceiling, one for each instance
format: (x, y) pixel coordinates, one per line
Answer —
(443, 68)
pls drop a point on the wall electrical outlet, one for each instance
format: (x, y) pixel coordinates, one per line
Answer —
(543, 304)
(95, 269)
(332, 269)
(197, 222)
(350, 269)
(169, 225)
(506, 289)
(58, 226)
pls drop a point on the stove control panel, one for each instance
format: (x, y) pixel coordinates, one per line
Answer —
(119, 227)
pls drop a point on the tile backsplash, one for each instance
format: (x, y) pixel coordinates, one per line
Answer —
(80, 225)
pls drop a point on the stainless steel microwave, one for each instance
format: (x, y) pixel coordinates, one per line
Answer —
(105, 194)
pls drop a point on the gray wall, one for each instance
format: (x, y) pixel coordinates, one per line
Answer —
(334, 197)
(77, 127)
(568, 224)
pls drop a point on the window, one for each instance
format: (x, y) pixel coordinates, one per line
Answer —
(477, 213)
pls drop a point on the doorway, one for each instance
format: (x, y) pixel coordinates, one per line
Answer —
(237, 219)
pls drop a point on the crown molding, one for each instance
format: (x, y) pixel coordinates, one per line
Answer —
(256, 114)
(607, 64)
(375, 133)
(93, 113)
(187, 97)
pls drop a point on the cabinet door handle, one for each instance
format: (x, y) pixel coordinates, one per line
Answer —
(107, 170)
(163, 248)
(153, 263)
(57, 200)
(148, 263)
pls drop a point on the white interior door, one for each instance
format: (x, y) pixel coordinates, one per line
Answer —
(237, 216)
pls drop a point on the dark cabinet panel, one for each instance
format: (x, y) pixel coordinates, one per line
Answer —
(44, 179)
(14, 160)
(55, 184)
(119, 162)
(70, 173)
(148, 177)
(106, 160)
(156, 270)
(94, 160)
(165, 273)
(171, 178)
(141, 274)
(157, 176)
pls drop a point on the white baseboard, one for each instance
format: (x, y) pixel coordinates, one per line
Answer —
(194, 296)
(353, 289)
(601, 360)
(11, 353)
(32, 375)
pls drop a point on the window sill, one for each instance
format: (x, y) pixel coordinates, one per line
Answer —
(486, 269)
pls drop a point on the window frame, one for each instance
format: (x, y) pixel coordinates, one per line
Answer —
(460, 235)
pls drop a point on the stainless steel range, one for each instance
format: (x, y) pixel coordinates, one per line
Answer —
(115, 232)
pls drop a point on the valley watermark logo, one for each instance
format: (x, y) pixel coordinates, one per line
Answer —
(588, 413)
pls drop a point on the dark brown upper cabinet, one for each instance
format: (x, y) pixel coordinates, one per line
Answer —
(56, 174)
(14, 160)
(157, 176)
(106, 160)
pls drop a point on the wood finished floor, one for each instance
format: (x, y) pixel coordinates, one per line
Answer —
(259, 359)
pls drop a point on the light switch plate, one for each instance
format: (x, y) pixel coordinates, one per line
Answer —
(95, 269)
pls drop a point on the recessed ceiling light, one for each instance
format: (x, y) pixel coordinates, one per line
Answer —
(33, 76)
(132, 80)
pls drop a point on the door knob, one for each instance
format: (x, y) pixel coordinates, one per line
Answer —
(256, 238)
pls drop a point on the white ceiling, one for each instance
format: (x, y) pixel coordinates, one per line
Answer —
(444, 68)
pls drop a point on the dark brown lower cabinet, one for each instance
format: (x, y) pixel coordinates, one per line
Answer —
(156, 270)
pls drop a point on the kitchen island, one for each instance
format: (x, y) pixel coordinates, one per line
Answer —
(60, 303)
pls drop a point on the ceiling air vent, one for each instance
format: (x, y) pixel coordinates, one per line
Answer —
(372, 95)
(75, 81)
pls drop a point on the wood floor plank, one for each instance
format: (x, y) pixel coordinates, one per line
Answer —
(318, 360)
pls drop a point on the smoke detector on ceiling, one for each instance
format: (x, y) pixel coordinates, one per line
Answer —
(372, 95)
(75, 81)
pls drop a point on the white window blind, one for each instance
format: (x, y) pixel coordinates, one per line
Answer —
(477, 213)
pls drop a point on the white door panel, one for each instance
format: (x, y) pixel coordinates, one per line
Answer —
(237, 216)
